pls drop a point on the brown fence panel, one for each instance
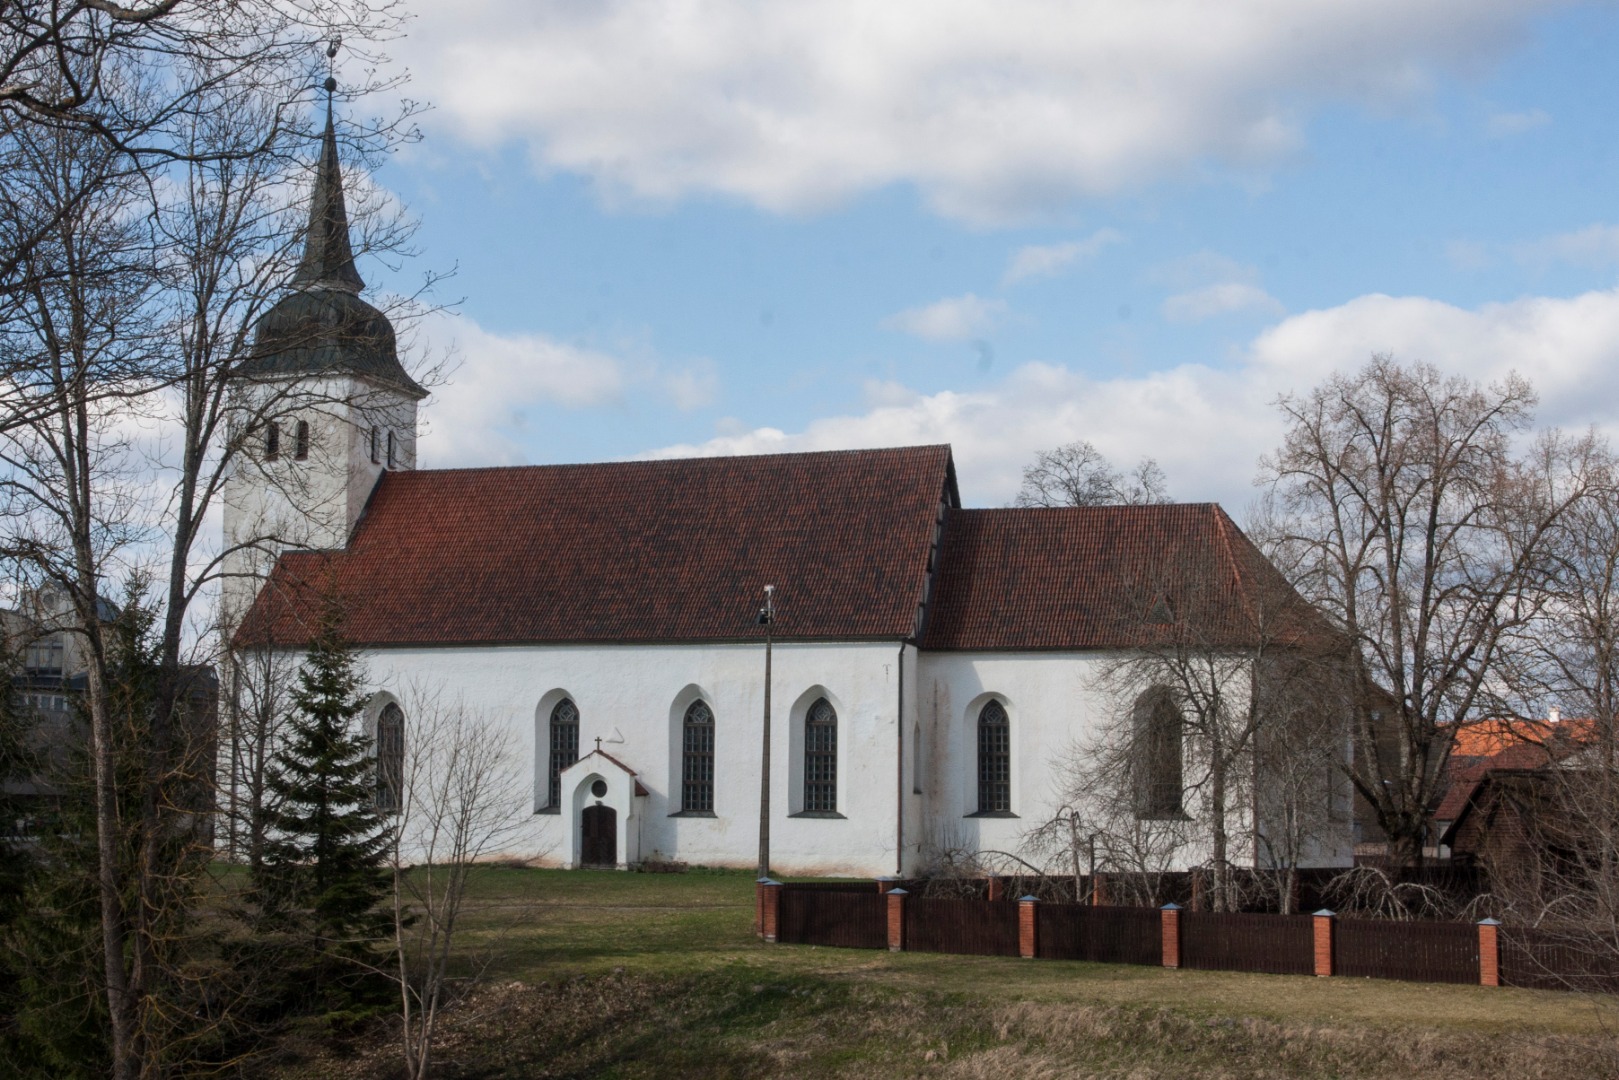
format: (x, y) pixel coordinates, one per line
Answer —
(867, 885)
(1276, 944)
(1558, 960)
(973, 927)
(850, 920)
(1413, 951)
(1103, 935)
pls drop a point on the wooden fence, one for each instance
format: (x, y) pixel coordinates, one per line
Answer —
(1103, 935)
(1273, 944)
(856, 915)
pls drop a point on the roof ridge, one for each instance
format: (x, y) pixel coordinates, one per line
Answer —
(674, 460)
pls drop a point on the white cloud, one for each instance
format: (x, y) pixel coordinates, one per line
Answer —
(956, 318)
(1212, 284)
(1504, 125)
(692, 387)
(1207, 427)
(1225, 298)
(1035, 261)
(995, 109)
(478, 416)
(1595, 246)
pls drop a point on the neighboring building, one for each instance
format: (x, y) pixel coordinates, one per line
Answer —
(932, 665)
(1503, 809)
(48, 686)
(47, 681)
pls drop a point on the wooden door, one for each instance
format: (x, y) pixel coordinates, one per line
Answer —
(599, 843)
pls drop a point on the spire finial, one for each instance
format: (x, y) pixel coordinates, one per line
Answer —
(331, 67)
(328, 261)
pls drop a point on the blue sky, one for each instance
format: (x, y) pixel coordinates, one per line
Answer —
(702, 227)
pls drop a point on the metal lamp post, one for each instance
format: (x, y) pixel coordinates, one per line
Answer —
(767, 619)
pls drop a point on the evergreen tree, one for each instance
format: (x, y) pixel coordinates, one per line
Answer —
(52, 983)
(324, 873)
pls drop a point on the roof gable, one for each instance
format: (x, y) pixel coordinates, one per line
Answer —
(1107, 577)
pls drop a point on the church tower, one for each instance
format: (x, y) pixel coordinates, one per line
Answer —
(325, 405)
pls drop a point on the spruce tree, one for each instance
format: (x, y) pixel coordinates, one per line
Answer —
(323, 877)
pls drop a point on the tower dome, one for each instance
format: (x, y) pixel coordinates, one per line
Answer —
(323, 327)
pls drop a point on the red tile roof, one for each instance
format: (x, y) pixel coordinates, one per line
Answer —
(641, 551)
(1481, 747)
(1108, 577)
(667, 551)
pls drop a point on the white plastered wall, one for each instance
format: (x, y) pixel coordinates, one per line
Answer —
(628, 696)
(1053, 701)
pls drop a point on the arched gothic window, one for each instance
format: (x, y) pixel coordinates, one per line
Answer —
(300, 441)
(994, 759)
(272, 441)
(390, 758)
(1158, 734)
(821, 758)
(564, 744)
(697, 759)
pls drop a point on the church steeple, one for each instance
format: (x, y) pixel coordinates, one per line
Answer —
(322, 326)
(328, 261)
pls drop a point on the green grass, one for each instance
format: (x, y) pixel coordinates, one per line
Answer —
(586, 974)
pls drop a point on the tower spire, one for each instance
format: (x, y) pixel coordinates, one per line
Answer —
(328, 261)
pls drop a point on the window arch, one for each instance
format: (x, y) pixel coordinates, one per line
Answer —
(390, 758)
(564, 744)
(300, 441)
(1158, 734)
(994, 759)
(697, 758)
(821, 758)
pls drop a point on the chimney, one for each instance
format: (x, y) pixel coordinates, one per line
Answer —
(1554, 714)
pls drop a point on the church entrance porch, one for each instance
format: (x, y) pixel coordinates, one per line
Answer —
(605, 805)
(598, 827)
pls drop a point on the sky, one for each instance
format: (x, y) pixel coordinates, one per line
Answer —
(686, 227)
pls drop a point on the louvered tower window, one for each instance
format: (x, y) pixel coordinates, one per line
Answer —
(994, 759)
(564, 744)
(821, 758)
(697, 759)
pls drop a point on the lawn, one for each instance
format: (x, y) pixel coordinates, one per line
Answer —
(601, 974)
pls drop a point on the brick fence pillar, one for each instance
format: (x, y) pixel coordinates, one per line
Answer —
(1098, 890)
(1027, 927)
(1170, 917)
(1323, 942)
(769, 893)
(1489, 952)
(896, 919)
(887, 884)
(995, 887)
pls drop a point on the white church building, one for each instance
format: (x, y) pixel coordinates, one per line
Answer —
(931, 664)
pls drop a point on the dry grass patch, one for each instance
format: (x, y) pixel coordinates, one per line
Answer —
(649, 976)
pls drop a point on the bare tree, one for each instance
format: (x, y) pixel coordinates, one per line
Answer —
(1077, 474)
(1421, 534)
(132, 289)
(1212, 707)
(133, 76)
(460, 801)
